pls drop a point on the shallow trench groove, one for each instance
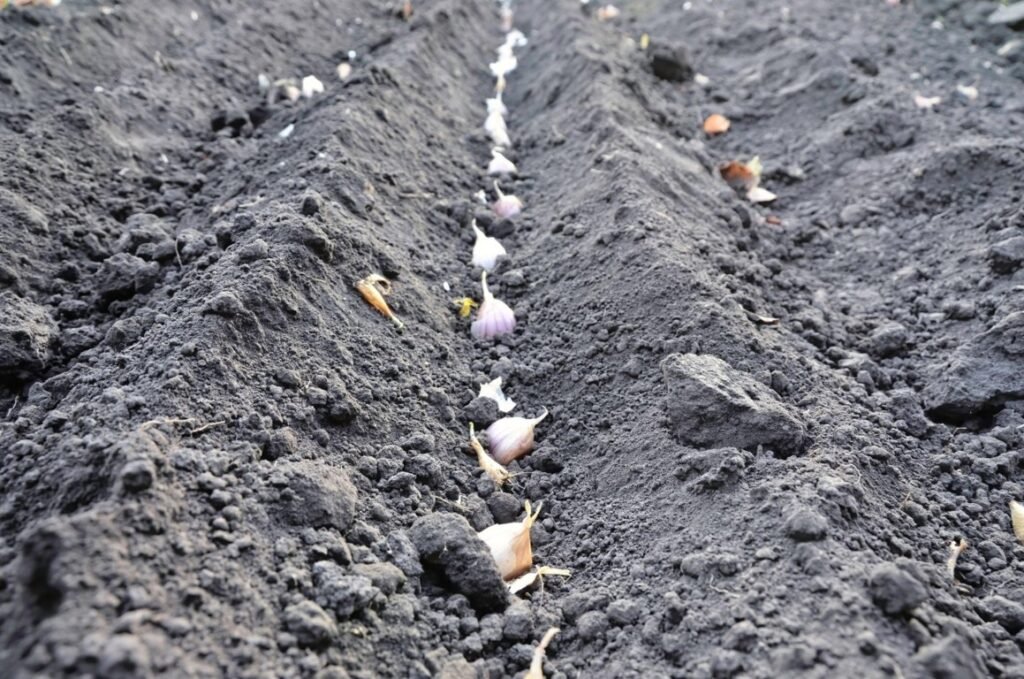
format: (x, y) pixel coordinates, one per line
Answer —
(223, 478)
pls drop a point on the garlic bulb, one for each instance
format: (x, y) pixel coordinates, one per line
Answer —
(497, 472)
(510, 544)
(512, 437)
(492, 390)
(500, 165)
(311, 85)
(486, 250)
(496, 105)
(507, 205)
(494, 318)
(494, 125)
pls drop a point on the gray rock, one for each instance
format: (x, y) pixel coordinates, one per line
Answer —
(310, 624)
(505, 507)
(449, 544)
(1007, 613)
(711, 404)
(742, 636)
(1006, 256)
(591, 625)
(895, 591)
(949, 658)
(981, 375)
(122, 275)
(518, 625)
(623, 612)
(482, 411)
(316, 496)
(26, 335)
(138, 475)
(386, 577)
(344, 594)
(404, 554)
(806, 525)
(887, 340)
(281, 443)
(124, 655)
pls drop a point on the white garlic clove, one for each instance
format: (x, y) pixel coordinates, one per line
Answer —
(512, 437)
(496, 105)
(507, 205)
(756, 194)
(492, 390)
(495, 126)
(494, 318)
(311, 85)
(1017, 519)
(486, 250)
(505, 64)
(500, 165)
(509, 544)
(515, 38)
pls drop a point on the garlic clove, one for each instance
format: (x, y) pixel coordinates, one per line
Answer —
(505, 64)
(512, 437)
(500, 165)
(1017, 519)
(495, 126)
(515, 38)
(496, 105)
(507, 205)
(494, 318)
(486, 250)
(311, 85)
(509, 544)
(492, 390)
(757, 194)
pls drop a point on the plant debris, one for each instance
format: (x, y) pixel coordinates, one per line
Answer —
(374, 288)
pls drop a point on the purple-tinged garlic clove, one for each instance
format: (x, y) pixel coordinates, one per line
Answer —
(512, 437)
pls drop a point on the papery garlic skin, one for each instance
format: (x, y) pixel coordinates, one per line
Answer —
(494, 318)
(486, 250)
(500, 165)
(510, 544)
(495, 471)
(512, 437)
(492, 390)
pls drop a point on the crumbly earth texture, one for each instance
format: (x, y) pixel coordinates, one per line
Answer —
(768, 422)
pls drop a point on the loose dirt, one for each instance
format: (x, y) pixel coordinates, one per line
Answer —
(767, 422)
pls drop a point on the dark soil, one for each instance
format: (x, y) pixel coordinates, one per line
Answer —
(217, 460)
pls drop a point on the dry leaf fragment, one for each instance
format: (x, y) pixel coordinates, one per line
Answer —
(956, 548)
(969, 92)
(762, 320)
(527, 579)
(465, 305)
(374, 288)
(772, 219)
(537, 664)
(716, 124)
(608, 12)
(1017, 519)
(645, 41)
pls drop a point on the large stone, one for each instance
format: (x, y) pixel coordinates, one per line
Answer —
(981, 375)
(26, 335)
(949, 658)
(895, 591)
(449, 545)
(711, 404)
(316, 496)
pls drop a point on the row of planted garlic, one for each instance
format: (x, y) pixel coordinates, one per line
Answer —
(510, 437)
